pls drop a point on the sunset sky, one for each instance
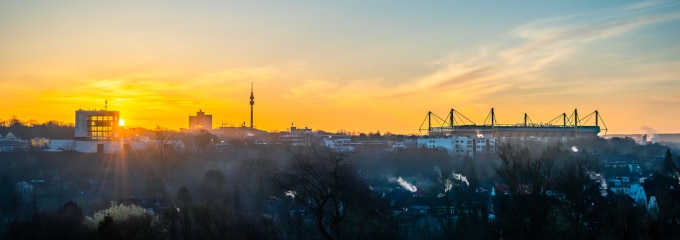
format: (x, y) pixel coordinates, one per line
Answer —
(342, 65)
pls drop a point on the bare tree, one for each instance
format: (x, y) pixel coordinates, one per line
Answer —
(203, 139)
(573, 180)
(214, 187)
(254, 174)
(199, 141)
(450, 188)
(668, 163)
(527, 178)
(164, 145)
(10, 203)
(325, 182)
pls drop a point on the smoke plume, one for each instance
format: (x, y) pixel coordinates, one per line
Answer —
(601, 179)
(448, 180)
(408, 186)
(652, 136)
(460, 177)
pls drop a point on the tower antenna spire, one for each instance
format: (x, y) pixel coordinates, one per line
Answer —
(252, 102)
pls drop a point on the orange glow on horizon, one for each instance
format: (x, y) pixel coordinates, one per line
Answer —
(371, 71)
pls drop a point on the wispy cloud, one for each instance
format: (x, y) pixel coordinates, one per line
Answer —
(530, 65)
(544, 42)
(491, 68)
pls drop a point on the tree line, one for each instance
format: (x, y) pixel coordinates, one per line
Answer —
(34, 129)
(280, 192)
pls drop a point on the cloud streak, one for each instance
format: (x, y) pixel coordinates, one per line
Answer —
(540, 61)
(496, 68)
(596, 59)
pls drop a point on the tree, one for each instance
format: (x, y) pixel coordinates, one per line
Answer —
(213, 187)
(213, 222)
(14, 122)
(326, 183)
(573, 180)
(68, 221)
(64, 223)
(526, 177)
(164, 145)
(183, 200)
(254, 175)
(449, 187)
(10, 203)
(183, 197)
(668, 163)
(126, 222)
(155, 185)
(203, 139)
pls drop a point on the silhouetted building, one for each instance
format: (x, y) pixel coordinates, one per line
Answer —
(97, 125)
(338, 143)
(200, 121)
(297, 136)
(11, 143)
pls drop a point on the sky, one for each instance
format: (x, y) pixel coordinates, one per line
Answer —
(356, 66)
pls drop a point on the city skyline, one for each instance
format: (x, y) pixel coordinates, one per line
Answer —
(353, 66)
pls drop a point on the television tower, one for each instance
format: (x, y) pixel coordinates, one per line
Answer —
(252, 102)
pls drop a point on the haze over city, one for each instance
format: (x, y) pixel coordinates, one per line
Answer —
(139, 119)
(352, 65)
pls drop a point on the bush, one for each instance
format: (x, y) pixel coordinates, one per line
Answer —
(126, 222)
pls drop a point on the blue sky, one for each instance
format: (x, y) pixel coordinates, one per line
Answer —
(352, 65)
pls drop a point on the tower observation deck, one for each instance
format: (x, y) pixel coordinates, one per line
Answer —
(561, 127)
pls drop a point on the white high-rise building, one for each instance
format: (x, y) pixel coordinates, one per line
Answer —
(459, 145)
(97, 125)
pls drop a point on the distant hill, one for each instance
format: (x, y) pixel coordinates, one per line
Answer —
(668, 139)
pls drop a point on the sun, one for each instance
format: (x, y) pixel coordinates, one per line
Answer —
(121, 122)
